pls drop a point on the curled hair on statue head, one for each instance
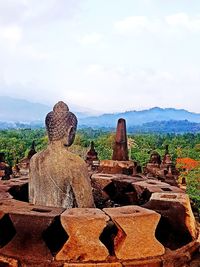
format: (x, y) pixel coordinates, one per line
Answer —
(61, 123)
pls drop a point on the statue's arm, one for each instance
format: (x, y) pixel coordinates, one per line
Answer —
(82, 188)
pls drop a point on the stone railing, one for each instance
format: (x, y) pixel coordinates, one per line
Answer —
(33, 235)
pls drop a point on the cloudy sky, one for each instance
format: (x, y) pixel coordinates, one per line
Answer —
(106, 55)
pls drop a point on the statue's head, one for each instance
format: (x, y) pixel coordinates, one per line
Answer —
(61, 124)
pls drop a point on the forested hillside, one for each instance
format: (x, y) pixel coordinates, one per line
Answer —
(17, 143)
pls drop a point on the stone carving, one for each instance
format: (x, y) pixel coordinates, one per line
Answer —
(32, 151)
(92, 159)
(91, 154)
(120, 151)
(177, 216)
(58, 177)
(136, 232)
(155, 158)
(25, 162)
(169, 168)
(84, 227)
(5, 169)
(16, 169)
(167, 157)
(30, 225)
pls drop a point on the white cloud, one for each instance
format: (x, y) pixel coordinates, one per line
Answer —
(91, 39)
(36, 12)
(50, 49)
(139, 24)
(12, 34)
(94, 69)
(114, 89)
(184, 21)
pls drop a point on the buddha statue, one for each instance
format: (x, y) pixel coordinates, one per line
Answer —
(58, 177)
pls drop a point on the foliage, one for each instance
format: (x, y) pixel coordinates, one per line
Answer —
(168, 126)
(17, 143)
(187, 164)
(193, 185)
(104, 145)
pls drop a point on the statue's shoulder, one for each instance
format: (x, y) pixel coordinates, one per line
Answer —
(74, 158)
(40, 156)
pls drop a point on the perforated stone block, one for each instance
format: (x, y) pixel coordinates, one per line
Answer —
(136, 232)
(8, 262)
(117, 167)
(29, 222)
(83, 226)
(150, 186)
(101, 180)
(184, 200)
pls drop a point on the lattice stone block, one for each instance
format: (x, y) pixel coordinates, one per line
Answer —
(136, 232)
(184, 200)
(29, 222)
(83, 226)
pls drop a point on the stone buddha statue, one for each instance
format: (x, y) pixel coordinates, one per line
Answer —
(58, 177)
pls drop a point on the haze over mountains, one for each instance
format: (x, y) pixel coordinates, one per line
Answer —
(16, 113)
(141, 117)
(20, 110)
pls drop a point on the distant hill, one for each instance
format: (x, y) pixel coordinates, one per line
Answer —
(178, 127)
(141, 117)
(162, 127)
(20, 125)
(19, 113)
(14, 110)
(20, 110)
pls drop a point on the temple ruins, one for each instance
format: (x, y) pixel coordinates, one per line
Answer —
(95, 213)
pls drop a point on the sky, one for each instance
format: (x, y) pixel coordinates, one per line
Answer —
(104, 55)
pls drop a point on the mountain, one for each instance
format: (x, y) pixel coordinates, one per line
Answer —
(141, 117)
(15, 110)
(12, 110)
(19, 113)
(163, 127)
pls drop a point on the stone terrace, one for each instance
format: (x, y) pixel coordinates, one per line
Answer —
(34, 235)
(140, 220)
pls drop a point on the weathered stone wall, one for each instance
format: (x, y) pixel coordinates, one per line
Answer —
(32, 235)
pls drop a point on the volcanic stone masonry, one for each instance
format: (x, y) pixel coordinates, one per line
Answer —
(92, 158)
(120, 151)
(58, 177)
(120, 162)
